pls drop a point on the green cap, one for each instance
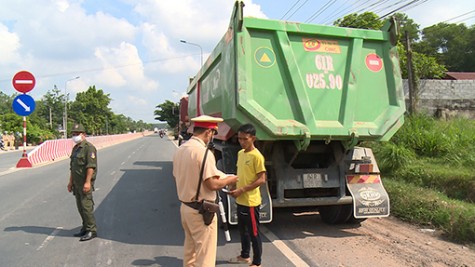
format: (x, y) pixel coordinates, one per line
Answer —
(78, 128)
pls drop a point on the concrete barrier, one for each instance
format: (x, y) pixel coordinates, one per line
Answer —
(52, 150)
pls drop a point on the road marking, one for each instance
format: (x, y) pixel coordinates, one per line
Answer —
(282, 247)
(49, 238)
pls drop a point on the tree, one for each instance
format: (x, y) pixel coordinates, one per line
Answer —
(53, 102)
(91, 108)
(367, 20)
(452, 44)
(407, 25)
(169, 112)
(425, 67)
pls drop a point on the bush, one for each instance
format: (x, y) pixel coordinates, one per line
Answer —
(391, 157)
(429, 208)
(431, 165)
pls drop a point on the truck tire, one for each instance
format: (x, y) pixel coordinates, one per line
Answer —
(336, 214)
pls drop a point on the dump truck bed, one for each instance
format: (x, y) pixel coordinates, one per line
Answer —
(304, 82)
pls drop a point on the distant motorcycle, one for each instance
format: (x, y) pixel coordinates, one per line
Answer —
(2, 145)
(161, 133)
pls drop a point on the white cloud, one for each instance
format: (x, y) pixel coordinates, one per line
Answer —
(133, 54)
(9, 45)
(122, 67)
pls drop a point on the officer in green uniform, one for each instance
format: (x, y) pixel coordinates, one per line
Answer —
(83, 170)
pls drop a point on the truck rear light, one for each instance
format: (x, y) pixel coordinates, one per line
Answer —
(363, 179)
(364, 168)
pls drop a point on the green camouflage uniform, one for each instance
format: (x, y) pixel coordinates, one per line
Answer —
(84, 156)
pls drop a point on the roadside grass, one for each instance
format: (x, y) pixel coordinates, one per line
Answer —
(427, 207)
(428, 166)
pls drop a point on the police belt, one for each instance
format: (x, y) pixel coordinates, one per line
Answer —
(194, 205)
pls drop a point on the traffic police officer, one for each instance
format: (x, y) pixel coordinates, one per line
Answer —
(200, 240)
(83, 170)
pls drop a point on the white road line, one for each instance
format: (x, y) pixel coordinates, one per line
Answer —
(282, 247)
(49, 238)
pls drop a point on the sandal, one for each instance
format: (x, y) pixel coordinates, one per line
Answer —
(240, 259)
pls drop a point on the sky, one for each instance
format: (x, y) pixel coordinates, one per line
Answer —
(131, 49)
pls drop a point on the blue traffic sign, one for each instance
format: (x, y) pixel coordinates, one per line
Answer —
(23, 105)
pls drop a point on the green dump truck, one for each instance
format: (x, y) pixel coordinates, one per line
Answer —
(313, 92)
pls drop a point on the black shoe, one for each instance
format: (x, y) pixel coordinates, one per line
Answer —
(88, 236)
(80, 233)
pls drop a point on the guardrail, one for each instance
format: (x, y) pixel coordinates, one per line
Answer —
(52, 150)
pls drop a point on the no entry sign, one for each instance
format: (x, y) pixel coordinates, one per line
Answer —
(374, 62)
(23, 81)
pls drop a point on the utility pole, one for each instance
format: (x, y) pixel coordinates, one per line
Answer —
(413, 87)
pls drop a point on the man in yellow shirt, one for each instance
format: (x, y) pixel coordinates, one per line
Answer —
(252, 174)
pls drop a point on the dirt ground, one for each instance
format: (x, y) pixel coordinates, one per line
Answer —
(413, 246)
(386, 242)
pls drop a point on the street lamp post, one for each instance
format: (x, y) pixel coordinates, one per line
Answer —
(65, 118)
(201, 50)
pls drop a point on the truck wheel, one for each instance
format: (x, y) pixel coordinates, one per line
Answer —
(336, 214)
(353, 220)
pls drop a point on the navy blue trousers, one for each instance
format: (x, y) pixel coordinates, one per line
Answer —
(248, 225)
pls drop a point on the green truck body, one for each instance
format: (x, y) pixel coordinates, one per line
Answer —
(313, 92)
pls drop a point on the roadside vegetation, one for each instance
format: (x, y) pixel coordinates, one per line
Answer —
(90, 108)
(428, 172)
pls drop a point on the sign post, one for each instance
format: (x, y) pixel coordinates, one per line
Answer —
(24, 105)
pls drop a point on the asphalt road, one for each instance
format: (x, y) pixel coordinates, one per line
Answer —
(137, 213)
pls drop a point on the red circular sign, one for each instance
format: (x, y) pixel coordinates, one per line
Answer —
(374, 62)
(23, 81)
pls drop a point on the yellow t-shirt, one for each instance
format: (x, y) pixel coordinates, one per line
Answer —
(249, 164)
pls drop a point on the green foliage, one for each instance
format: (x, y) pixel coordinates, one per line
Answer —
(90, 108)
(434, 183)
(425, 67)
(428, 207)
(423, 135)
(452, 44)
(407, 25)
(392, 157)
(366, 20)
(168, 111)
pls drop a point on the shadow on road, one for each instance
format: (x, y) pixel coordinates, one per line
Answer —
(297, 223)
(42, 230)
(159, 261)
(142, 208)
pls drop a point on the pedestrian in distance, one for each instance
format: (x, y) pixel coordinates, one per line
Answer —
(252, 174)
(83, 171)
(191, 159)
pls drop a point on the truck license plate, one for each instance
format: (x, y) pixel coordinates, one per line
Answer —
(312, 180)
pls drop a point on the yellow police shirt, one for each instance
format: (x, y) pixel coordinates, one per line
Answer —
(186, 170)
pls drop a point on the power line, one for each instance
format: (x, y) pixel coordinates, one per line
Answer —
(292, 7)
(390, 6)
(297, 9)
(338, 8)
(105, 68)
(458, 21)
(458, 16)
(413, 6)
(322, 9)
(399, 8)
(343, 11)
(374, 5)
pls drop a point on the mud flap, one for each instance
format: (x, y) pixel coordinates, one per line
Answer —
(265, 210)
(370, 199)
